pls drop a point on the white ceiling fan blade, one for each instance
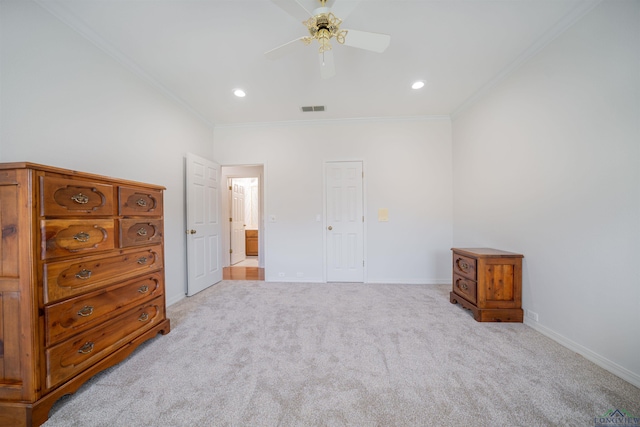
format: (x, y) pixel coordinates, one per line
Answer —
(343, 8)
(375, 42)
(327, 66)
(285, 49)
(313, 5)
(294, 8)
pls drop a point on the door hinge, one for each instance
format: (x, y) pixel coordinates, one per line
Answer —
(229, 187)
(230, 219)
(362, 218)
(230, 251)
(363, 263)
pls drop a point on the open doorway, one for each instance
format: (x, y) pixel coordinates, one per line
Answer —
(243, 234)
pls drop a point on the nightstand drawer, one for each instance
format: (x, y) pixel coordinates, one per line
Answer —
(464, 266)
(466, 288)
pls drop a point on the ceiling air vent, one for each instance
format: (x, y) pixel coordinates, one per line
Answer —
(314, 108)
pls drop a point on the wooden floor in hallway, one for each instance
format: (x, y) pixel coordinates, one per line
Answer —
(243, 273)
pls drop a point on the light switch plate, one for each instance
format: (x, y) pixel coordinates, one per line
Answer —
(383, 215)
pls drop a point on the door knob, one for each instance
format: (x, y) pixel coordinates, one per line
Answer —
(330, 228)
(191, 231)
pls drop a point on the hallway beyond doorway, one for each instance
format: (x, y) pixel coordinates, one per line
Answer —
(242, 273)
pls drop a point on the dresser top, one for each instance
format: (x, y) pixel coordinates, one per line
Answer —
(486, 252)
(68, 172)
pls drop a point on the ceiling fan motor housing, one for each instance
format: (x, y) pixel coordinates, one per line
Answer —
(323, 26)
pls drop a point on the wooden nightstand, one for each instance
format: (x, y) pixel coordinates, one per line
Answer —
(489, 283)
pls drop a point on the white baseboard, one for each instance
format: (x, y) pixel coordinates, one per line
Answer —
(414, 281)
(294, 279)
(614, 368)
(385, 281)
(175, 299)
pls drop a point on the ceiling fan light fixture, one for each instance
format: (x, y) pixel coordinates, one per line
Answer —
(418, 84)
(323, 27)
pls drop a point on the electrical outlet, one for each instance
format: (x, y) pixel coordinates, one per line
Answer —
(281, 274)
(532, 315)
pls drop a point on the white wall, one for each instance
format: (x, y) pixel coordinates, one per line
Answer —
(66, 103)
(407, 166)
(548, 165)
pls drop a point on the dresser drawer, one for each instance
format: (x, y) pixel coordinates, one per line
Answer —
(66, 279)
(464, 266)
(76, 354)
(139, 202)
(75, 315)
(466, 288)
(63, 237)
(135, 232)
(74, 197)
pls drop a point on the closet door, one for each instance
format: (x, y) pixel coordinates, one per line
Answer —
(345, 222)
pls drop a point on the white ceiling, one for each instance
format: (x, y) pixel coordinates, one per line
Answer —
(198, 51)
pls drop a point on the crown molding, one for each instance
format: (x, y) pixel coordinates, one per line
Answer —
(567, 21)
(322, 122)
(67, 17)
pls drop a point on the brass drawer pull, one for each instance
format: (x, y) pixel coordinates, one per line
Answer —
(142, 260)
(86, 348)
(142, 232)
(141, 202)
(462, 284)
(462, 264)
(83, 274)
(86, 311)
(82, 237)
(143, 289)
(143, 317)
(80, 199)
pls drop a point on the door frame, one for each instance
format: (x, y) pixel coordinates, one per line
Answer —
(231, 171)
(324, 215)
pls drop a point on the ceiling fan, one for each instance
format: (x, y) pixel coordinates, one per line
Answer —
(323, 25)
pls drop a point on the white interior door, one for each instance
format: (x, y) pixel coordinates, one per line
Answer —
(238, 247)
(345, 222)
(204, 257)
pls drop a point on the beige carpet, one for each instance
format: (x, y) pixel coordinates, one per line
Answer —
(276, 354)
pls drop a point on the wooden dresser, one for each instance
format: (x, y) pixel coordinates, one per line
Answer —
(81, 281)
(489, 283)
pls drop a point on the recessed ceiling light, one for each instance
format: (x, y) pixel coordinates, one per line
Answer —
(239, 93)
(417, 85)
